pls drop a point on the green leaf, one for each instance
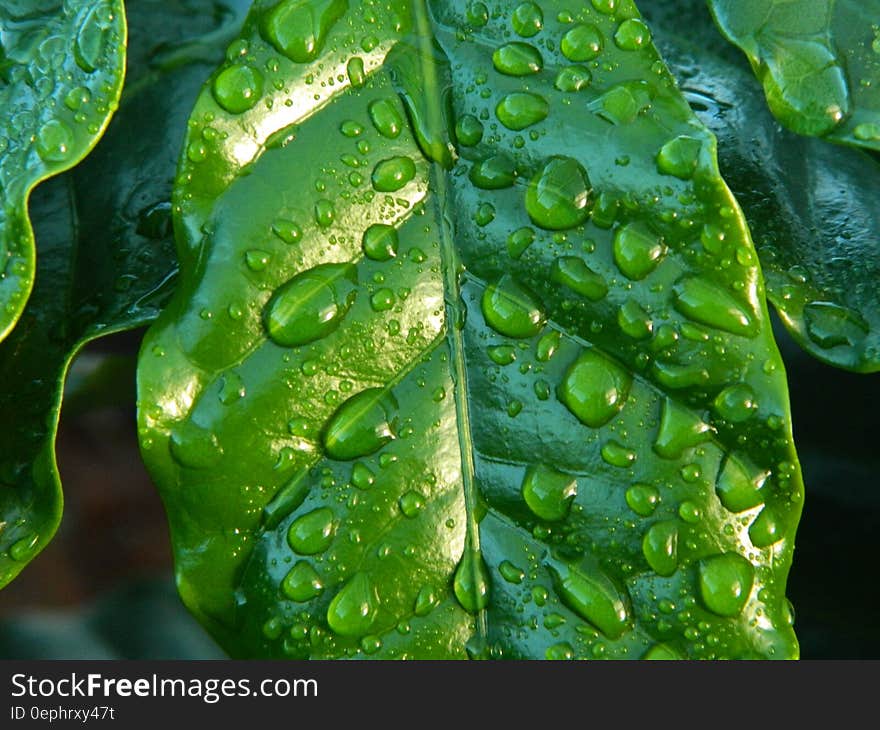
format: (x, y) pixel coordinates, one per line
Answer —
(61, 71)
(469, 354)
(819, 62)
(812, 207)
(106, 256)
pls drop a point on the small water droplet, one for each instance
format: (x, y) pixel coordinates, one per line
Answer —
(92, 38)
(736, 403)
(361, 476)
(469, 131)
(392, 174)
(502, 354)
(511, 309)
(511, 573)
(238, 88)
(595, 388)
(583, 42)
(766, 530)
(302, 583)
(411, 504)
(426, 601)
(355, 71)
(522, 109)
(313, 532)
(642, 499)
(517, 59)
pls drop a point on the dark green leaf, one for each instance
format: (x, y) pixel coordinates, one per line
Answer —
(812, 207)
(469, 356)
(106, 258)
(61, 72)
(819, 62)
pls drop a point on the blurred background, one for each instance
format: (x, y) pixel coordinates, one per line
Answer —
(104, 587)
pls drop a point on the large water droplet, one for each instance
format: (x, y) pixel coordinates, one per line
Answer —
(362, 425)
(54, 141)
(522, 109)
(527, 19)
(709, 304)
(302, 583)
(381, 242)
(766, 530)
(311, 305)
(313, 532)
(511, 309)
(469, 130)
(92, 38)
(573, 78)
(634, 320)
(549, 492)
(353, 610)
(660, 547)
(582, 43)
(595, 388)
(680, 429)
(494, 173)
(736, 403)
(637, 250)
(238, 88)
(738, 486)
(426, 601)
(679, 157)
(558, 197)
(299, 28)
(725, 583)
(572, 272)
(632, 34)
(517, 59)
(592, 596)
(661, 652)
(386, 118)
(472, 582)
(392, 174)
(642, 499)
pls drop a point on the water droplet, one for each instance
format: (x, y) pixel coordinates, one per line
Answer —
(595, 388)
(382, 300)
(522, 109)
(527, 20)
(709, 304)
(616, 454)
(511, 309)
(302, 583)
(469, 131)
(632, 34)
(257, 260)
(477, 14)
(725, 583)
(195, 447)
(77, 98)
(494, 173)
(361, 425)
(355, 70)
(351, 129)
(563, 651)
(549, 492)
(386, 118)
(472, 581)
(572, 272)
(868, 131)
(411, 503)
(736, 403)
(660, 547)
(511, 573)
(517, 59)
(371, 644)
(311, 305)
(634, 320)
(573, 78)
(582, 43)
(426, 601)
(637, 250)
(361, 476)
(353, 610)
(680, 429)
(232, 389)
(23, 549)
(381, 242)
(830, 325)
(558, 197)
(606, 7)
(299, 29)
(661, 652)
(592, 596)
(238, 88)
(766, 530)
(484, 214)
(547, 346)
(642, 499)
(287, 231)
(679, 157)
(502, 354)
(519, 241)
(313, 532)
(92, 38)
(54, 141)
(392, 174)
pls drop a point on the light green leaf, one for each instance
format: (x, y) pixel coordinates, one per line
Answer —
(470, 354)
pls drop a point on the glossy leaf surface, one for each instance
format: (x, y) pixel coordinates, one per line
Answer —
(106, 255)
(813, 208)
(818, 60)
(61, 71)
(469, 355)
